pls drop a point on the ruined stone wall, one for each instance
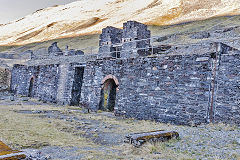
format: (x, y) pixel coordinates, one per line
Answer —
(173, 89)
(177, 88)
(109, 37)
(51, 83)
(180, 84)
(19, 79)
(227, 91)
(45, 81)
(4, 79)
(66, 82)
(135, 38)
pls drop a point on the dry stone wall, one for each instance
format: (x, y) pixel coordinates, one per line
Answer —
(179, 89)
(4, 79)
(45, 81)
(19, 79)
(227, 97)
(166, 89)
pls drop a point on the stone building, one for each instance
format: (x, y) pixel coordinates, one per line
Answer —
(196, 84)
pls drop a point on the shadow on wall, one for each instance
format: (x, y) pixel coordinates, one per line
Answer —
(4, 79)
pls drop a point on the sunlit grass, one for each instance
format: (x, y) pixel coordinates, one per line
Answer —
(24, 131)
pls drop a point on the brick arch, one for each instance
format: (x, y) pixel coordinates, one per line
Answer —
(110, 77)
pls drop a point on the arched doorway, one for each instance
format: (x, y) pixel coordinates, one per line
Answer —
(30, 90)
(108, 94)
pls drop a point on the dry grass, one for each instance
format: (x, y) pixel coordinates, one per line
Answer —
(23, 131)
(30, 130)
(195, 26)
(223, 127)
(80, 42)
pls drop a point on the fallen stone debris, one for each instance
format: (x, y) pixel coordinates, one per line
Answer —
(35, 155)
(137, 139)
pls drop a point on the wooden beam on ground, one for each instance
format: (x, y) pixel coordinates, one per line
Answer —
(137, 139)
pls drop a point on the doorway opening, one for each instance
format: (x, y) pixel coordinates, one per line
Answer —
(77, 86)
(108, 95)
(30, 89)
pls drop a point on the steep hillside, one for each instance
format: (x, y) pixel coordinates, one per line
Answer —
(183, 29)
(86, 17)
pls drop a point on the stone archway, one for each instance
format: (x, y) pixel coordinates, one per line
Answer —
(108, 93)
(30, 89)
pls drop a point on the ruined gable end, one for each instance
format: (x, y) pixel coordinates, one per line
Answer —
(54, 50)
(109, 40)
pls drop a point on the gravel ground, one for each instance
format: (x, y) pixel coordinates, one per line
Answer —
(201, 142)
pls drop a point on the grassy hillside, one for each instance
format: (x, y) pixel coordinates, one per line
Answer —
(197, 26)
(73, 43)
(90, 16)
(89, 43)
(92, 40)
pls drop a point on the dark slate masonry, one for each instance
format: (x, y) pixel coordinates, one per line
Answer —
(45, 80)
(192, 84)
(166, 89)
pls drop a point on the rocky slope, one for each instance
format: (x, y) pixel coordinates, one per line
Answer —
(90, 16)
